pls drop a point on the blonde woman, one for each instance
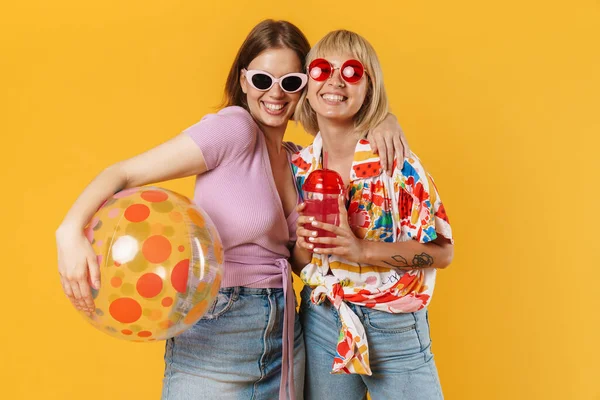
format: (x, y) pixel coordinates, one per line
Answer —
(364, 306)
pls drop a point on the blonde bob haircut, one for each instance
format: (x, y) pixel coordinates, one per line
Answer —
(375, 106)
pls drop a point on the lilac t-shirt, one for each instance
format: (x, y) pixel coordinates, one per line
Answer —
(239, 194)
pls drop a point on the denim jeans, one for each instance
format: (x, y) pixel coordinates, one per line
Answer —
(234, 351)
(399, 354)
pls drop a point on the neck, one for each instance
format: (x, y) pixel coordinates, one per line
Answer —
(273, 137)
(339, 138)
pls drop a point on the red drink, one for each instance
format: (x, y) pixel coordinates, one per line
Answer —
(322, 189)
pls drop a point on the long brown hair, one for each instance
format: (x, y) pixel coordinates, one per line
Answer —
(268, 34)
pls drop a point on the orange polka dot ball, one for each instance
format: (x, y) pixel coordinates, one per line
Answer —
(161, 263)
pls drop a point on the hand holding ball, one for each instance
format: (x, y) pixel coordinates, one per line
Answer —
(160, 261)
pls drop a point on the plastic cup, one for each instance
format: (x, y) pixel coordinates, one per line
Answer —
(321, 190)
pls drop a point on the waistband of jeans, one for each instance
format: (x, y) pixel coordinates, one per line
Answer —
(243, 290)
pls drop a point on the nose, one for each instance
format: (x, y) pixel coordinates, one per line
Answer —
(336, 78)
(276, 92)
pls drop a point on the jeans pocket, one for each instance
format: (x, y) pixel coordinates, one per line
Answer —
(422, 318)
(394, 334)
(384, 322)
(221, 304)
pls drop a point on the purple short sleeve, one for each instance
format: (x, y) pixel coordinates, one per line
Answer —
(224, 136)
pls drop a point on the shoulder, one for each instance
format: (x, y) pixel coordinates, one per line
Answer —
(234, 122)
(228, 117)
(235, 113)
(225, 135)
(412, 176)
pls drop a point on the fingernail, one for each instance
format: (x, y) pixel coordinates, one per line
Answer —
(314, 233)
(314, 223)
(312, 239)
(97, 285)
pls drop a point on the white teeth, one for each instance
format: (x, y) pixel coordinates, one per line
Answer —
(273, 107)
(333, 97)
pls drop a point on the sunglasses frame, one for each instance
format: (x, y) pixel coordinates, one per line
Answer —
(344, 65)
(249, 73)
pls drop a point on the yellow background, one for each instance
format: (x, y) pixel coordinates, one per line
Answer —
(500, 100)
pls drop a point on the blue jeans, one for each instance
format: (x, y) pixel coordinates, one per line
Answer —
(399, 354)
(234, 351)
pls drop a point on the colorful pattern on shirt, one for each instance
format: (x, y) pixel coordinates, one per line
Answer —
(403, 207)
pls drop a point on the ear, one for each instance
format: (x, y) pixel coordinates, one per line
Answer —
(243, 82)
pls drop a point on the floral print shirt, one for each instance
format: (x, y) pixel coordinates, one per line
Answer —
(403, 207)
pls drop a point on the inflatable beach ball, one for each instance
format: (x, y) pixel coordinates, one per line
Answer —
(160, 261)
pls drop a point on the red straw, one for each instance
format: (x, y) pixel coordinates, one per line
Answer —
(323, 203)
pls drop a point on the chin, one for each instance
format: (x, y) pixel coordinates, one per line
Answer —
(274, 121)
(336, 116)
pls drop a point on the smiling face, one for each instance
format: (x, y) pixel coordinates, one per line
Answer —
(274, 107)
(335, 99)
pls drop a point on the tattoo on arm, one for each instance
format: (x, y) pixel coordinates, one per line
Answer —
(422, 260)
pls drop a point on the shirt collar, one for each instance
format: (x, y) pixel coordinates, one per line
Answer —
(366, 164)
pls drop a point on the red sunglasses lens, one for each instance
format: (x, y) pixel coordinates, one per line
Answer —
(319, 69)
(352, 71)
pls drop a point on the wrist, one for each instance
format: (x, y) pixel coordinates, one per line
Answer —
(67, 228)
(300, 257)
(365, 253)
(301, 254)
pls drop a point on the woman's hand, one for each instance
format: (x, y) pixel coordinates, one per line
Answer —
(77, 264)
(346, 244)
(301, 232)
(301, 254)
(388, 139)
(78, 268)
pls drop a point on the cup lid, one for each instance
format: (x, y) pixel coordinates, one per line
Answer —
(325, 181)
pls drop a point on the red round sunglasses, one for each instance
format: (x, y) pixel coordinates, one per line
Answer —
(351, 71)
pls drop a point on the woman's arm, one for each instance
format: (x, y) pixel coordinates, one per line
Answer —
(77, 265)
(300, 258)
(387, 139)
(300, 255)
(407, 255)
(177, 158)
(398, 255)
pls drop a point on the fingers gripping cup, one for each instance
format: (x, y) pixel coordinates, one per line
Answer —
(321, 191)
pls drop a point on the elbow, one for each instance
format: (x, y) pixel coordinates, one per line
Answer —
(117, 173)
(446, 256)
